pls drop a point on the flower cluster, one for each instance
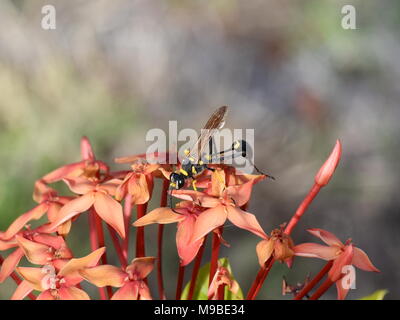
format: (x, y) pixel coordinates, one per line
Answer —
(108, 198)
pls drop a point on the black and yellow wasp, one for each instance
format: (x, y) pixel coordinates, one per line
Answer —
(195, 162)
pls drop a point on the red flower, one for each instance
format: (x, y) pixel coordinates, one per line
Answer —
(223, 203)
(279, 245)
(130, 281)
(96, 194)
(60, 285)
(342, 254)
(138, 183)
(185, 215)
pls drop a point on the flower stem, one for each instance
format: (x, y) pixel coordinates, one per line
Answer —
(140, 249)
(259, 280)
(322, 289)
(302, 208)
(127, 220)
(179, 283)
(314, 281)
(196, 269)
(160, 280)
(216, 244)
(94, 243)
(221, 292)
(101, 243)
(117, 247)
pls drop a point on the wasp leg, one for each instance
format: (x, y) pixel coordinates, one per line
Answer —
(211, 169)
(194, 185)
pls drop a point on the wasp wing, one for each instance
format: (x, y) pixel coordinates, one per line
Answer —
(215, 123)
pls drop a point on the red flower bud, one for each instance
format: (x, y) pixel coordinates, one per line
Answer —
(328, 168)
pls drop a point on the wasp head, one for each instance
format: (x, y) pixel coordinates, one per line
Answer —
(177, 180)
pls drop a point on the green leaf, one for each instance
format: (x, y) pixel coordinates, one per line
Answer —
(377, 295)
(201, 289)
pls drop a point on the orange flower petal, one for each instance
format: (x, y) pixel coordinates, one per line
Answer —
(73, 208)
(361, 261)
(329, 238)
(86, 149)
(80, 185)
(74, 265)
(245, 220)
(32, 275)
(45, 295)
(208, 221)
(5, 245)
(110, 211)
(187, 250)
(196, 196)
(34, 214)
(36, 253)
(54, 209)
(42, 191)
(72, 293)
(129, 291)
(23, 289)
(137, 187)
(240, 193)
(264, 250)
(315, 250)
(10, 263)
(141, 267)
(335, 273)
(341, 291)
(105, 275)
(111, 186)
(144, 292)
(162, 215)
(217, 182)
(70, 171)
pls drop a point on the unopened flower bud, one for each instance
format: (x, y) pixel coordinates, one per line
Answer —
(328, 168)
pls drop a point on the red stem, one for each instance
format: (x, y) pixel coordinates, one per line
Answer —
(263, 272)
(314, 281)
(140, 249)
(17, 279)
(117, 247)
(221, 292)
(322, 289)
(101, 243)
(196, 269)
(259, 280)
(127, 221)
(179, 283)
(302, 208)
(216, 243)
(160, 280)
(94, 243)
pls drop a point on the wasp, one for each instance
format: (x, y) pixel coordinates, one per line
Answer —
(195, 162)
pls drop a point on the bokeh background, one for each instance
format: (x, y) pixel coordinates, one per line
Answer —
(114, 69)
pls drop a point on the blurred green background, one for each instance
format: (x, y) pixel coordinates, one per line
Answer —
(114, 69)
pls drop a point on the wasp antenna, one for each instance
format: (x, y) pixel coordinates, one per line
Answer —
(264, 174)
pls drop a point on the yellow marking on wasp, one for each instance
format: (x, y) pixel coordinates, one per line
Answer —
(194, 185)
(186, 152)
(236, 145)
(191, 159)
(194, 171)
(172, 184)
(184, 172)
(201, 162)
